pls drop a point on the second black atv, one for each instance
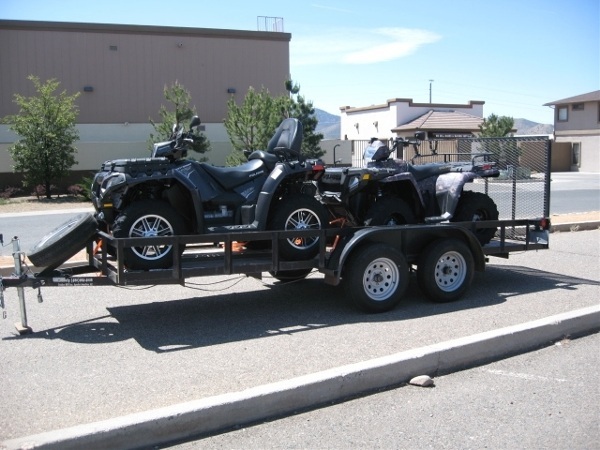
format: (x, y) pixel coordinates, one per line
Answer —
(397, 192)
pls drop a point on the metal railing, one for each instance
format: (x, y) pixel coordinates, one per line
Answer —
(266, 23)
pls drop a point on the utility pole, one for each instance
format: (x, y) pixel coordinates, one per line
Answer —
(430, 81)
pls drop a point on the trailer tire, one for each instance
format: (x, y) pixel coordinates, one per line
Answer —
(147, 219)
(299, 212)
(474, 207)
(390, 211)
(290, 275)
(445, 270)
(64, 241)
(376, 277)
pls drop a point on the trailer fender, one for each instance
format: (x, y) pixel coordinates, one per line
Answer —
(411, 240)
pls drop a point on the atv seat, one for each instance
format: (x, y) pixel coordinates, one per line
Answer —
(230, 177)
(287, 138)
(427, 170)
(268, 158)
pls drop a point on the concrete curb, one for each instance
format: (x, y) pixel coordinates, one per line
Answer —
(575, 226)
(221, 412)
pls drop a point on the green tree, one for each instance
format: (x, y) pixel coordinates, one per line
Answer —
(495, 126)
(182, 114)
(506, 153)
(251, 125)
(305, 113)
(46, 123)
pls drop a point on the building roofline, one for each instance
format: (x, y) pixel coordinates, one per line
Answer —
(31, 25)
(411, 104)
(593, 96)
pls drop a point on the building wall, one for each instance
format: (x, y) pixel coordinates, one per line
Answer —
(586, 119)
(581, 127)
(127, 68)
(589, 153)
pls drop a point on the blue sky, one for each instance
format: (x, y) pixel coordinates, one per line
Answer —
(514, 55)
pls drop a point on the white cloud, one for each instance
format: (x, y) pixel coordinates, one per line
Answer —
(400, 42)
(358, 46)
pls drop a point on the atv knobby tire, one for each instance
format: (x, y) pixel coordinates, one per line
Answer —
(148, 219)
(390, 211)
(64, 241)
(299, 212)
(474, 207)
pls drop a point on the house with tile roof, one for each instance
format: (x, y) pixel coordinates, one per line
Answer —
(577, 132)
(402, 117)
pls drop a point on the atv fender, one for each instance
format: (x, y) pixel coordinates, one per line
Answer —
(269, 190)
(448, 189)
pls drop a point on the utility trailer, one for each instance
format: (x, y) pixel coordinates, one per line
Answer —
(372, 263)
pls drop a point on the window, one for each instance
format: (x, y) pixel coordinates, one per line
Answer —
(562, 114)
(577, 106)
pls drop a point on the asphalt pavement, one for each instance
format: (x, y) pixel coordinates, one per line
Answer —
(124, 368)
(534, 401)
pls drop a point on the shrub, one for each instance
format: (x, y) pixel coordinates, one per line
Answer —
(10, 191)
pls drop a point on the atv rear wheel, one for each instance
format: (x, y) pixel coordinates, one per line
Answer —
(148, 219)
(299, 212)
(474, 207)
(390, 211)
(64, 241)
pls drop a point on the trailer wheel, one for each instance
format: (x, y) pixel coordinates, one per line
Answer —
(299, 212)
(64, 241)
(290, 275)
(376, 278)
(476, 206)
(147, 219)
(445, 270)
(390, 211)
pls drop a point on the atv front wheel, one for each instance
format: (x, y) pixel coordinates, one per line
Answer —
(148, 219)
(474, 207)
(390, 211)
(299, 212)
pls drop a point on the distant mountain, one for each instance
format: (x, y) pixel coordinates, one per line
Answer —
(329, 126)
(527, 127)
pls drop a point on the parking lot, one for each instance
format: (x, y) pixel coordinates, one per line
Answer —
(101, 352)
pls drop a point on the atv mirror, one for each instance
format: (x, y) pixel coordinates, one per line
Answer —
(195, 122)
(420, 135)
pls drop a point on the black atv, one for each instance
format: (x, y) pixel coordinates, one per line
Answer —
(169, 195)
(397, 192)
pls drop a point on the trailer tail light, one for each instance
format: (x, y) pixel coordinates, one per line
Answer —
(544, 223)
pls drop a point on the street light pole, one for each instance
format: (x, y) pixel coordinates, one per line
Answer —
(430, 81)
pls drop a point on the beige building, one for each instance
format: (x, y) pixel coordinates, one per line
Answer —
(577, 133)
(402, 117)
(121, 72)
